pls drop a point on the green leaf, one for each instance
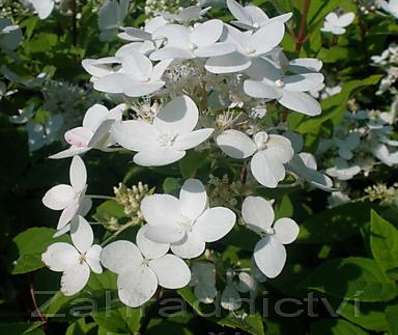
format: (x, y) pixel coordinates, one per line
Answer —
(384, 242)
(119, 320)
(333, 108)
(28, 247)
(80, 327)
(335, 327)
(252, 323)
(19, 328)
(392, 318)
(172, 185)
(334, 225)
(191, 163)
(160, 326)
(109, 209)
(352, 278)
(370, 316)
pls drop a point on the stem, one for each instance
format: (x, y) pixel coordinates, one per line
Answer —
(301, 36)
(35, 305)
(122, 229)
(95, 196)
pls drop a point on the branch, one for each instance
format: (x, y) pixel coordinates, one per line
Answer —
(301, 36)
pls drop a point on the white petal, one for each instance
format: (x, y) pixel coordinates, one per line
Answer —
(78, 137)
(94, 116)
(236, 144)
(165, 233)
(93, 258)
(68, 214)
(308, 64)
(230, 298)
(270, 256)
(120, 256)
(60, 256)
(161, 209)
(193, 198)
(100, 67)
(82, 234)
(193, 139)
(280, 148)
(259, 89)
(75, 278)
(286, 230)
(346, 19)
(137, 286)
(207, 33)
(257, 213)
(172, 272)
(43, 7)
(139, 89)
(303, 82)
(191, 246)
(135, 34)
(159, 69)
(135, 135)
(214, 223)
(168, 53)
(78, 174)
(300, 102)
(215, 50)
(158, 157)
(58, 197)
(268, 37)
(239, 12)
(179, 116)
(177, 35)
(233, 62)
(112, 83)
(138, 66)
(149, 248)
(267, 170)
(72, 151)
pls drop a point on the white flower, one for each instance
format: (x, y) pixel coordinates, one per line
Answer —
(135, 34)
(186, 223)
(342, 170)
(144, 47)
(10, 35)
(135, 78)
(69, 198)
(186, 43)
(390, 6)
(101, 67)
(186, 15)
(204, 281)
(142, 267)
(336, 24)
(270, 82)
(75, 261)
(249, 46)
(382, 152)
(304, 166)
(166, 140)
(269, 252)
(43, 7)
(252, 17)
(94, 133)
(270, 152)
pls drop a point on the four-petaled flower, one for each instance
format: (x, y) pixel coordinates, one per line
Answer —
(166, 139)
(336, 24)
(75, 261)
(270, 152)
(269, 252)
(186, 223)
(69, 198)
(142, 267)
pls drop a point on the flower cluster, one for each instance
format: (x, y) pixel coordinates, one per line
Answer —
(186, 81)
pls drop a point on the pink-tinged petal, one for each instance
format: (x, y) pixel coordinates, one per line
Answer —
(78, 137)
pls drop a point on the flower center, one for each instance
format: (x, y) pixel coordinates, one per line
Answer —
(279, 83)
(250, 51)
(186, 224)
(261, 140)
(166, 139)
(82, 258)
(256, 25)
